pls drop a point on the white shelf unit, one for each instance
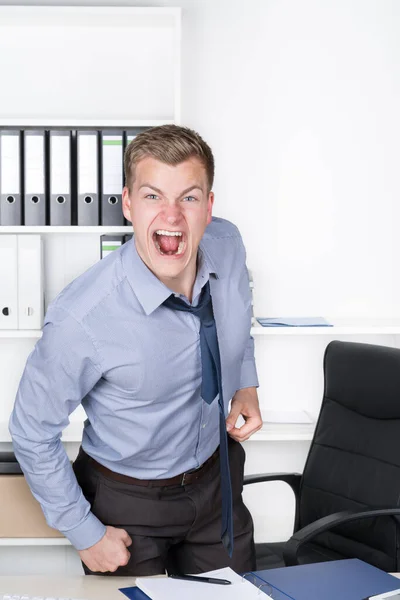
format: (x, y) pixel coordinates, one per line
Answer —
(116, 67)
(124, 82)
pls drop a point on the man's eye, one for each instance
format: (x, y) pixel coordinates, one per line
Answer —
(152, 196)
(190, 198)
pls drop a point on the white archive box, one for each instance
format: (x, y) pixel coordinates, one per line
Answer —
(30, 282)
(21, 282)
(8, 282)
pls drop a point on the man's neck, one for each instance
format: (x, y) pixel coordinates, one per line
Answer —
(182, 285)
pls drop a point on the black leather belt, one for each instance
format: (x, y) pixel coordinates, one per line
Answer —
(182, 479)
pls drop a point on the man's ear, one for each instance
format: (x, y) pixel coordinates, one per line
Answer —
(126, 204)
(210, 203)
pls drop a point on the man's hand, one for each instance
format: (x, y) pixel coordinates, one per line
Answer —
(109, 553)
(244, 403)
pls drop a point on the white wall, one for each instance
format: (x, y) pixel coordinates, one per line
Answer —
(299, 100)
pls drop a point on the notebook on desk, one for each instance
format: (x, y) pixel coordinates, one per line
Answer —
(166, 588)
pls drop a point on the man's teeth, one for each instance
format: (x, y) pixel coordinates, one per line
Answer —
(165, 232)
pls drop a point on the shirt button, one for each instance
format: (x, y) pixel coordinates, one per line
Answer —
(204, 424)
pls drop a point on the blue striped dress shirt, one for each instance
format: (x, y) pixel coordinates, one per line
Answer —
(135, 366)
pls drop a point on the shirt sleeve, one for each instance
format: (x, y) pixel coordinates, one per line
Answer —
(248, 373)
(63, 367)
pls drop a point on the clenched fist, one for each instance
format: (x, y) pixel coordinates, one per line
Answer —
(109, 553)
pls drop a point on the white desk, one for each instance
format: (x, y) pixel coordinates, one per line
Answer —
(81, 587)
(90, 587)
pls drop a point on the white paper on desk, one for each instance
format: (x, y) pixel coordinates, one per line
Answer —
(286, 416)
(165, 588)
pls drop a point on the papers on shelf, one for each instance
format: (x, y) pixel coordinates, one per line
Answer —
(293, 322)
(165, 588)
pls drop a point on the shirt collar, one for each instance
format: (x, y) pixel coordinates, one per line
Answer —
(149, 290)
(209, 262)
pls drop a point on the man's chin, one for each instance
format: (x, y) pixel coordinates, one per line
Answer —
(166, 272)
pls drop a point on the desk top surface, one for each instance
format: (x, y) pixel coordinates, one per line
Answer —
(78, 587)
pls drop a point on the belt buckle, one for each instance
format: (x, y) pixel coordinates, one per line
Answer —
(183, 481)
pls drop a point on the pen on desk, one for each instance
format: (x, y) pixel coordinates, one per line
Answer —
(201, 579)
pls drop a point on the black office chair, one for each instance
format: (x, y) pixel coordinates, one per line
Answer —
(348, 497)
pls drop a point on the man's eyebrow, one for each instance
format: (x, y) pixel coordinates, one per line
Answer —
(189, 189)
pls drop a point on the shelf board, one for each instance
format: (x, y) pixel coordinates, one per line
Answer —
(271, 432)
(78, 123)
(340, 327)
(20, 333)
(65, 229)
(283, 432)
(62, 541)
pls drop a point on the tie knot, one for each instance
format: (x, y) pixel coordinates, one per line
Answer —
(203, 310)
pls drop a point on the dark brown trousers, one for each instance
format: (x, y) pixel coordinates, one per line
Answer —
(175, 529)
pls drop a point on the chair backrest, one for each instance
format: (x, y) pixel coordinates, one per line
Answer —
(354, 458)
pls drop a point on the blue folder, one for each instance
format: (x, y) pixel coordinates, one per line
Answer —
(134, 593)
(349, 579)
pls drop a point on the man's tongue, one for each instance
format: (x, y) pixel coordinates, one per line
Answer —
(168, 243)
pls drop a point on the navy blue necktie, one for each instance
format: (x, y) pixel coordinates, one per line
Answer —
(211, 386)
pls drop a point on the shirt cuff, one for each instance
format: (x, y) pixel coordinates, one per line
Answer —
(87, 533)
(248, 375)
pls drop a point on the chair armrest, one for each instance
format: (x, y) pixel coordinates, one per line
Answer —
(307, 533)
(292, 479)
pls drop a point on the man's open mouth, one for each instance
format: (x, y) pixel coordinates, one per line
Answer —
(170, 243)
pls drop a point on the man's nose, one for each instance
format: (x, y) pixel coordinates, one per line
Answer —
(172, 214)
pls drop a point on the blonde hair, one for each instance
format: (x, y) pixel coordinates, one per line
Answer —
(170, 144)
